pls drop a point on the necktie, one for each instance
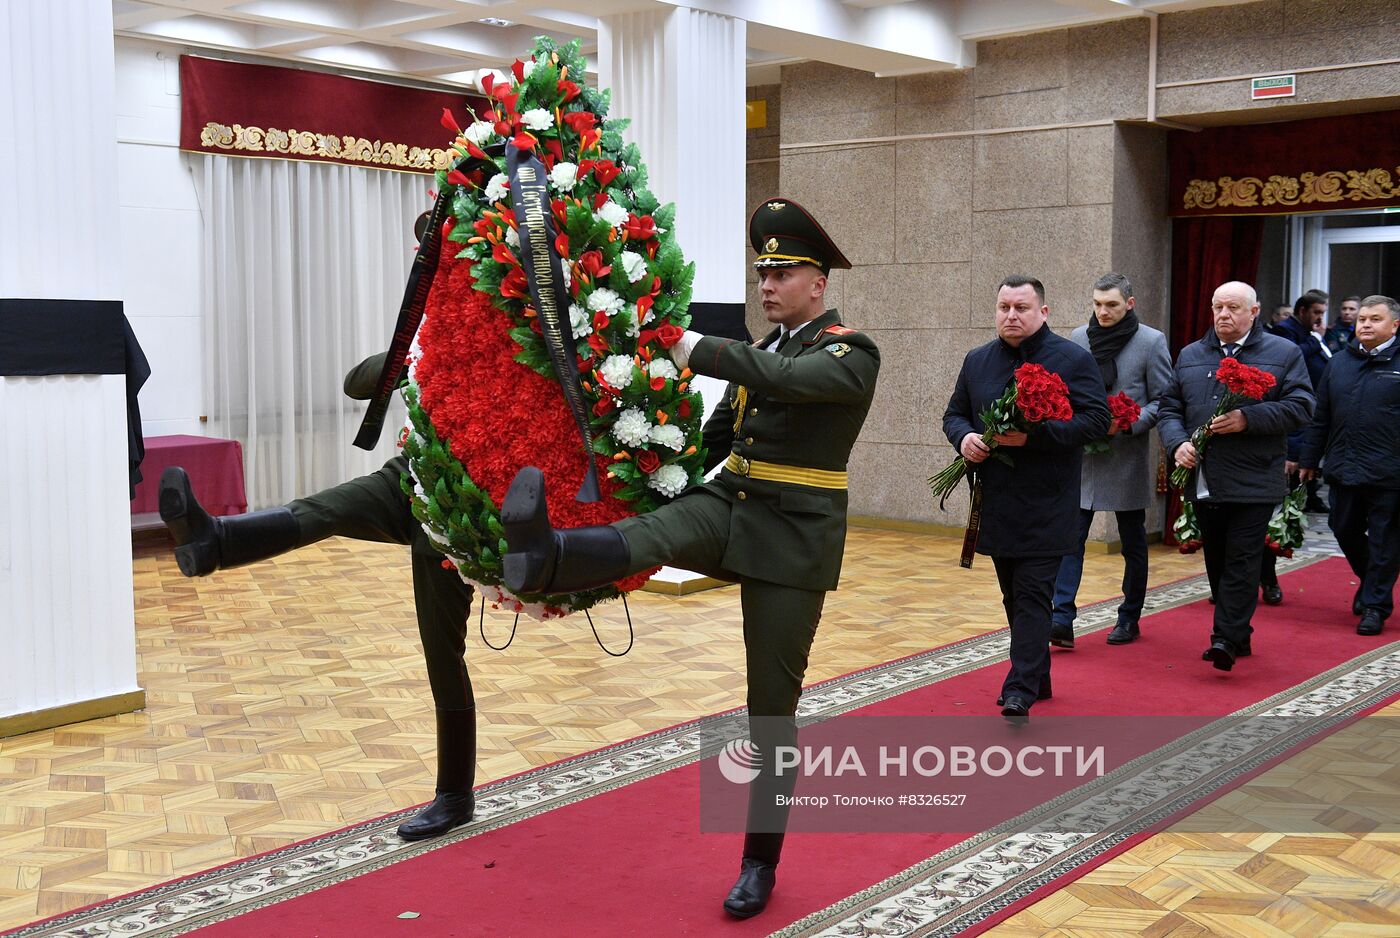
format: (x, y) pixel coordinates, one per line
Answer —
(787, 334)
(1230, 350)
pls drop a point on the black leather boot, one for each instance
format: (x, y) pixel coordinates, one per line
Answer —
(542, 559)
(204, 543)
(758, 873)
(454, 803)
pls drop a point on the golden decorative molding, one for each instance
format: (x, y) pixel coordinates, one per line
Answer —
(79, 712)
(1309, 188)
(306, 144)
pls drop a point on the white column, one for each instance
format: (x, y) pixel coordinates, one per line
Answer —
(66, 623)
(678, 75)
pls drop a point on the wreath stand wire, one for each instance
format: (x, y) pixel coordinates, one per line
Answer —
(631, 632)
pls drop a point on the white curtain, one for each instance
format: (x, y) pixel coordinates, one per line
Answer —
(304, 266)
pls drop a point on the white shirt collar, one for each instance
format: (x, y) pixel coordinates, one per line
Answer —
(1384, 345)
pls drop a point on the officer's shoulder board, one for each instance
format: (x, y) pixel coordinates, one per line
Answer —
(839, 349)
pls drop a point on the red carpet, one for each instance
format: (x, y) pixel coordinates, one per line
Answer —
(632, 861)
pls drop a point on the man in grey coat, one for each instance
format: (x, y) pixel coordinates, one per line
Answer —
(1240, 476)
(1133, 360)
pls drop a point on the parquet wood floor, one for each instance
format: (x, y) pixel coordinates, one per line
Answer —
(289, 698)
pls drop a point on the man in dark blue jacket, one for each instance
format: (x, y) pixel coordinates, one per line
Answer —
(1030, 511)
(1355, 437)
(1241, 477)
(1309, 311)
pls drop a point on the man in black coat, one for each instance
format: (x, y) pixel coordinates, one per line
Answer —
(1309, 311)
(1241, 477)
(1030, 509)
(1355, 437)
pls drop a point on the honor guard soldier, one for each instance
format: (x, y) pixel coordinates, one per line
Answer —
(774, 518)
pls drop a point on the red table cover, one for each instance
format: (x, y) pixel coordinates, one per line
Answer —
(215, 467)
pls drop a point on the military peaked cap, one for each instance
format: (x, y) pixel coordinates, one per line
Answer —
(784, 234)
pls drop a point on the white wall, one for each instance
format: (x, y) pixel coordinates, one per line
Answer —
(159, 244)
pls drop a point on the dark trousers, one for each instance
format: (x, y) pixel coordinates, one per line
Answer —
(1027, 589)
(1366, 521)
(1232, 539)
(1132, 533)
(780, 623)
(375, 508)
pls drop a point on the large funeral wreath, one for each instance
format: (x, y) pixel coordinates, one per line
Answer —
(483, 399)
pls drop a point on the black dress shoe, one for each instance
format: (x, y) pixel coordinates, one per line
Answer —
(1015, 707)
(1371, 623)
(1356, 607)
(1244, 652)
(1220, 656)
(1045, 692)
(752, 889)
(1123, 633)
(1062, 635)
(1273, 595)
(448, 810)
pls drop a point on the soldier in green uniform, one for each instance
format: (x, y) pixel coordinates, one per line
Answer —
(774, 518)
(370, 508)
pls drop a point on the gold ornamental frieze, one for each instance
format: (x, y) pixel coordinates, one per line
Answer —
(1306, 189)
(305, 144)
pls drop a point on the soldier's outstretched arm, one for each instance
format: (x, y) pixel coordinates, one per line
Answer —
(842, 369)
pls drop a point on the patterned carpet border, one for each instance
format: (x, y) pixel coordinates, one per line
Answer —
(965, 884)
(183, 905)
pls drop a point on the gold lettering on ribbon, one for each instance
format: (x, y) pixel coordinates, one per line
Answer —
(539, 250)
(305, 144)
(1305, 189)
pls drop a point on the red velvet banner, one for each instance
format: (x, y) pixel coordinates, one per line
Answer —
(1318, 165)
(238, 109)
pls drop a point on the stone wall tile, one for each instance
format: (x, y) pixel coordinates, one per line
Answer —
(1237, 39)
(1107, 66)
(907, 296)
(1021, 109)
(834, 185)
(1021, 63)
(933, 200)
(1090, 165)
(1066, 248)
(1020, 170)
(938, 102)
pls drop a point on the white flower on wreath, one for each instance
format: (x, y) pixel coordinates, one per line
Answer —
(631, 428)
(527, 68)
(662, 368)
(634, 265)
(603, 300)
(537, 118)
(568, 277)
(617, 370)
(563, 176)
(669, 480)
(580, 321)
(668, 434)
(479, 132)
(498, 188)
(612, 213)
(512, 237)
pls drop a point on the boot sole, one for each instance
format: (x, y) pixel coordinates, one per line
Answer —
(194, 558)
(1221, 660)
(523, 566)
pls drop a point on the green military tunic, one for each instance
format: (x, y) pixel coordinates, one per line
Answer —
(802, 409)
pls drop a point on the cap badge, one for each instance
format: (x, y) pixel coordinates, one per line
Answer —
(776, 206)
(770, 245)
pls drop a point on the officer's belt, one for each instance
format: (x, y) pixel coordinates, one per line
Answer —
(775, 472)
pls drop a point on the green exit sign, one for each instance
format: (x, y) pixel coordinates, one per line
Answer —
(1275, 86)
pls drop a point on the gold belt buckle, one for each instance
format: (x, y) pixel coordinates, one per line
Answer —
(741, 466)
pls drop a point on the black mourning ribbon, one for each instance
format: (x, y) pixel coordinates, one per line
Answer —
(545, 276)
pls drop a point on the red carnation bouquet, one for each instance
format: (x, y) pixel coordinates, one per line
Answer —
(1033, 397)
(1125, 412)
(1242, 383)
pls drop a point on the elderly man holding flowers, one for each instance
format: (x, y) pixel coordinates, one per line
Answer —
(1136, 369)
(1236, 394)
(1030, 484)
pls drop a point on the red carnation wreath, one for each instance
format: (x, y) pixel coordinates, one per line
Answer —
(483, 398)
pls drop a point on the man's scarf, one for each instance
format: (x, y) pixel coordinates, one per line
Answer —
(1106, 343)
